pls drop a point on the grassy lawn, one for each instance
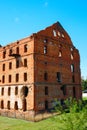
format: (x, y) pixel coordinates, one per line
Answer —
(17, 124)
(59, 122)
(65, 121)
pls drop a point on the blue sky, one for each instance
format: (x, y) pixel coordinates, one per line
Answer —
(20, 18)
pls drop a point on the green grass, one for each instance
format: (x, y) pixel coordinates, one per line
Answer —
(17, 124)
(59, 122)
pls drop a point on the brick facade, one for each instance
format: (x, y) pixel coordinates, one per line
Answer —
(36, 70)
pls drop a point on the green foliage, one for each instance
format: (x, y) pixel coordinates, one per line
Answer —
(76, 118)
(84, 84)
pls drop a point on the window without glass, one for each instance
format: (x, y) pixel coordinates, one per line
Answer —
(3, 67)
(45, 76)
(16, 105)
(17, 77)
(10, 52)
(25, 48)
(17, 50)
(58, 33)
(10, 65)
(73, 78)
(72, 68)
(9, 78)
(25, 76)
(2, 104)
(25, 62)
(46, 90)
(63, 88)
(2, 91)
(4, 54)
(9, 91)
(45, 40)
(3, 79)
(58, 74)
(71, 49)
(46, 105)
(8, 105)
(54, 33)
(17, 63)
(72, 57)
(16, 90)
(74, 92)
(45, 49)
(60, 54)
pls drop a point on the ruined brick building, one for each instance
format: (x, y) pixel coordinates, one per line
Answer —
(36, 70)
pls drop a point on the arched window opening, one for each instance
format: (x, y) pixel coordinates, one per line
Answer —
(24, 103)
(54, 33)
(46, 105)
(8, 105)
(72, 68)
(16, 105)
(24, 91)
(16, 90)
(60, 54)
(9, 91)
(2, 104)
(74, 92)
(63, 88)
(2, 91)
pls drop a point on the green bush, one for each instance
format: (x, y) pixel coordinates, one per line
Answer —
(76, 118)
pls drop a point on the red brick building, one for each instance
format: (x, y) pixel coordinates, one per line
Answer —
(36, 70)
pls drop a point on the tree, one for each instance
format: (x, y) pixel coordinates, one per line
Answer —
(84, 84)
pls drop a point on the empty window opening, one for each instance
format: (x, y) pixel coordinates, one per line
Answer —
(16, 105)
(2, 91)
(17, 50)
(72, 68)
(45, 49)
(54, 33)
(24, 103)
(3, 79)
(17, 63)
(59, 79)
(25, 62)
(45, 76)
(24, 91)
(17, 77)
(46, 105)
(59, 33)
(72, 57)
(74, 92)
(10, 65)
(3, 67)
(73, 79)
(9, 91)
(4, 54)
(25, 48)
(63, 88)
(71, 49)
(60, 54)
(2, 104)
(10, 78)
(45, 40)
(10, 52)
(25, 76)
(8, 105)
(46, 90)
(63, 35)
(16, 90)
